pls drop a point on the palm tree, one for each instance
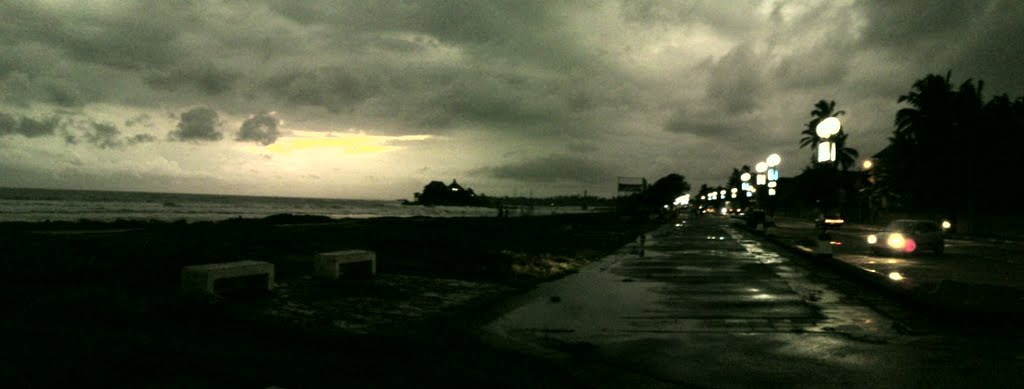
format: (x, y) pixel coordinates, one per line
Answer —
(736, 182)
(940, 127)
(845, 156)
(930, 113)
(822, 109)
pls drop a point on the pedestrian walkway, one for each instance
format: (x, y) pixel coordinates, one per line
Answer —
(700, 303)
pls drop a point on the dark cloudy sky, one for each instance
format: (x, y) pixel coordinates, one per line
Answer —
(373, 99)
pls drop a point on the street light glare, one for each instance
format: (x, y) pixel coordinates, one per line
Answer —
(868, 164)
(761, 167)
(826, 151)
(823, 151)
(745, 177)
(773, 160)
(828, 127)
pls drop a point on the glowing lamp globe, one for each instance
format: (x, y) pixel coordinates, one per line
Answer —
(761, 167)
(828, 127)
(773, 160)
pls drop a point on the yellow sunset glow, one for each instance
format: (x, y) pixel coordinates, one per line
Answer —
(348, 143)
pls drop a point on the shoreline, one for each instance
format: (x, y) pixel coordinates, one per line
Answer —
(374, 210)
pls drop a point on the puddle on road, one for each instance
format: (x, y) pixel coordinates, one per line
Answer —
(593, 303)
(714, 253)
(694, 268)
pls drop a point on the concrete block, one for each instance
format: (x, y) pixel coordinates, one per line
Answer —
(333, 264)
(201, 279)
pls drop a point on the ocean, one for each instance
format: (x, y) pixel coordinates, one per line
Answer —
(39, 205)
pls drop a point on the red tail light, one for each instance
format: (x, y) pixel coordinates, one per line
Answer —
(910, 246)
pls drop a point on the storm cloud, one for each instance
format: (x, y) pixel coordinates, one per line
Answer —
(553, 168)
(104, 135)
(260, 128)
(207, 78)
(196, 125)
(334, 88)
(736, 81)
(108, 136)
(27, 126)
(699, 87)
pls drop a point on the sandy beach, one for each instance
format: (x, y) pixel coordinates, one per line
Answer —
(97, 304)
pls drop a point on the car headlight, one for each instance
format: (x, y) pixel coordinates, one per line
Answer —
(872, 239)
(896, 241)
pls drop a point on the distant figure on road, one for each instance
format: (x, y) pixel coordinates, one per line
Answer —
(643, 240)
(755, 218)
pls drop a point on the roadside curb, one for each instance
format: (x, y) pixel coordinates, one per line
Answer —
(948, 298)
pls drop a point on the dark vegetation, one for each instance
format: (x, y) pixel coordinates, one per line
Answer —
(652, 200)
(949, 147)
(649, 201)
(96, 304)
(437, 193)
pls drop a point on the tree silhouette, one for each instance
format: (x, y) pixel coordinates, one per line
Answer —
(947, 143)
(822, 110)
(735, 181)
(437, 193)
(935, 135)
(845, 156)
(665, 190)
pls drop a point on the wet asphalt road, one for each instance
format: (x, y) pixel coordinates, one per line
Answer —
(965, 260)
(704, 304)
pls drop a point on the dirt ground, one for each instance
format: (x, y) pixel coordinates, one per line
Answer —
(97, 304)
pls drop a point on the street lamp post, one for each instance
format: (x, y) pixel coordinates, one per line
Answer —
(760, 181)
(826, 155)
(825, 129)
(762, 169)
(773, 177)
(827, 151)
(745, 185)
(869, 194)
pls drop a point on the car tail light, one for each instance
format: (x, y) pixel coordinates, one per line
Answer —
(909, 246)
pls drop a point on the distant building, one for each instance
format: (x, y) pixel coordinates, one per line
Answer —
(455, 187)
(437, 193)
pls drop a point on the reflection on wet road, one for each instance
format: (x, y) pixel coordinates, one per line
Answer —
(702, 304)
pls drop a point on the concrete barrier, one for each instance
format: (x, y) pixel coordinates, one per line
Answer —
(201, 279)
(333, 265)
